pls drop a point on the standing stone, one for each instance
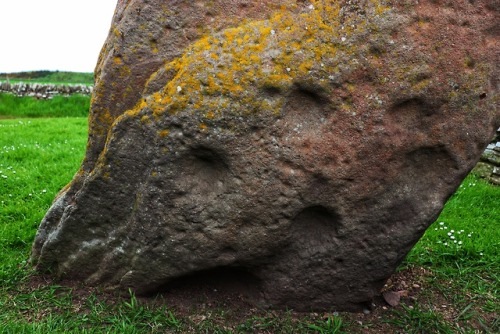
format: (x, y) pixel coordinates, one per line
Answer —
(305, 145)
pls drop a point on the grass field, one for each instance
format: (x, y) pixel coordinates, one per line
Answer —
(450, 282)
(49, 77)
(59, 106)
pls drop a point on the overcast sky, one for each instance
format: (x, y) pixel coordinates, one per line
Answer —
(64, 35)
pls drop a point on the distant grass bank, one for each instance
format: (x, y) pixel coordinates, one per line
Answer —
(60, 106)
(52, 77)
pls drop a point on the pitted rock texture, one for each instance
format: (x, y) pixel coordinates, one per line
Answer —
(304, 145)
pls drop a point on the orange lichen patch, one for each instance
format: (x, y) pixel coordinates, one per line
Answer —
(421, 85)
(203, 126)
(379, 7)
(124, 71)
(163, 133)
(210, 115)
(154, 46)
(117, 32)
(351, 87)
(272, 53)
(117, 60)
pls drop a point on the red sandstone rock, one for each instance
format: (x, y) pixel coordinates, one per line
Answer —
(307, 148)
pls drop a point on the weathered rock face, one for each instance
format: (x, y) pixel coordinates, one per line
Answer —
(308, 147)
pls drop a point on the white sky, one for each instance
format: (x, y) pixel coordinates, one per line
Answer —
(64, 35)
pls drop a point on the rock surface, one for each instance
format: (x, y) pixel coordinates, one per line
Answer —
(301, 146)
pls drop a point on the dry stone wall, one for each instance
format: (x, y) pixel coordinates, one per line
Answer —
(489, 165)
(43, 91)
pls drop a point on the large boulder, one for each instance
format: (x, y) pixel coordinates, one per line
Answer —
(303, 146)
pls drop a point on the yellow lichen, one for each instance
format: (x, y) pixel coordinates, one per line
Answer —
(117, 60)
(154, 46)
(272, 53)
(117, 32)
(163, 133)
(421, 85)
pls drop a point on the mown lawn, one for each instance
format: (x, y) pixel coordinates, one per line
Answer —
(450, 282)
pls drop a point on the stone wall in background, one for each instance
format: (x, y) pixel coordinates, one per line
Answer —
(43, 91)
(489, 165)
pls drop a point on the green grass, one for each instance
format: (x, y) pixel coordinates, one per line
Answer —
(39, 156)
(59, 106)
(52, 77)
(462, 248)
(417, 320)
(463, 245)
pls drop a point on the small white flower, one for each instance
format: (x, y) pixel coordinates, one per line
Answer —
(469, 235)
(481, 254)
(454, 241)
(452, 237)
(460, 242)
(452, 231)
(449, 233)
